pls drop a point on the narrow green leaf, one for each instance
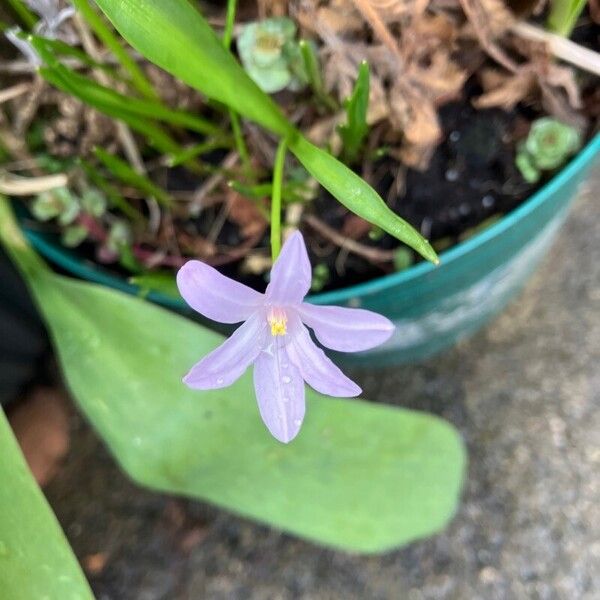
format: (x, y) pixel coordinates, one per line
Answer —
(155, 135)
(60, 48)
(158, 281)
(111, 192)
(290, 191)
(356, 128)
(23, 12)
(313, 72)
(360, 476)
(563, 15)
(121, 170)
(99, 95)
(177, 38)
(196, 150)
(107, 37)
(35, 558)
(358, 196)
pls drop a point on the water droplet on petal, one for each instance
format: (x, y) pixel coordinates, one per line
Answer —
(286, 400)
(286, 379)
(219, 380)
(297, 422)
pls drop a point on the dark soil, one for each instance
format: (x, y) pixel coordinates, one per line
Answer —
(471, 179)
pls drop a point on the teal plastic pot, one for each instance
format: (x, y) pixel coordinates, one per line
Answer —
(432, 307)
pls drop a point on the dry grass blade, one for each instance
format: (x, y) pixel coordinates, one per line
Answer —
(489, 19)
(374, 255)
(14, 92)
(561, 47)
(13, 185)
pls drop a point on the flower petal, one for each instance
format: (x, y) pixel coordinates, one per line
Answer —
(316, 369)
(346, 329)
(279, 391)
(228, 362)
(215, 296)
(291, 274)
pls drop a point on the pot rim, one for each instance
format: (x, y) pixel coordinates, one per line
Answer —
(92, 272)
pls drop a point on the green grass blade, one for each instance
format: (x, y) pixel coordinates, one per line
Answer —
(313, 72)
(563, 15)
(177, 38)
(358, 196)
(101, 95)
(22, 11)
(122, 171)
(111, 192)
(353, 133)
(107, 37)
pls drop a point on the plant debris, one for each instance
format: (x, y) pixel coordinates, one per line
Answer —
(435, 67)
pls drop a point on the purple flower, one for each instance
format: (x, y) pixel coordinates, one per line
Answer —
(274, 337)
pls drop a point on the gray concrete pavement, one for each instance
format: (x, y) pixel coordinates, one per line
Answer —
(525, 393)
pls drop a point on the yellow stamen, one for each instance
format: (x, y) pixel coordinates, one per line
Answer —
(278, 321)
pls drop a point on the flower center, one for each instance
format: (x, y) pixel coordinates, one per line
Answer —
(278, 321)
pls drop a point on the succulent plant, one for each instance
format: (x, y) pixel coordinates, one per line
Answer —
(271, 55)
(74, 235)
(58, 204)
(548, 146)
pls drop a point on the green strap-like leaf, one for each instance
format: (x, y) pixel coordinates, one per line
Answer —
(35, 558)
(354, 131)
(360, 476)
(177, 38)
(358, 196)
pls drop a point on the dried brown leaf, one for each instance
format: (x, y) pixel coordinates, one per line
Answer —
(394, 10)
(442, 78)
(244, 213)
(489, 20)
(416, 117)
(505, 90)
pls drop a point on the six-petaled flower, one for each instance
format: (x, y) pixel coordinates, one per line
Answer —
(274, 337)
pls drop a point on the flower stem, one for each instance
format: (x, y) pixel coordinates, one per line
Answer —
(240, 144)
(229, 21)
(276, 199)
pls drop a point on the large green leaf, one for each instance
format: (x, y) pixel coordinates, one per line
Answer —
(35, 558)
(360, 476)
(175, 36)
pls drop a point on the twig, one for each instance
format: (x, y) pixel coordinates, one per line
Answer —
(379, 27)
(561, 47)
(196, 204)
(13, 185)
(14, 92)
(125, 136)
(478, 17)
(373, 254)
